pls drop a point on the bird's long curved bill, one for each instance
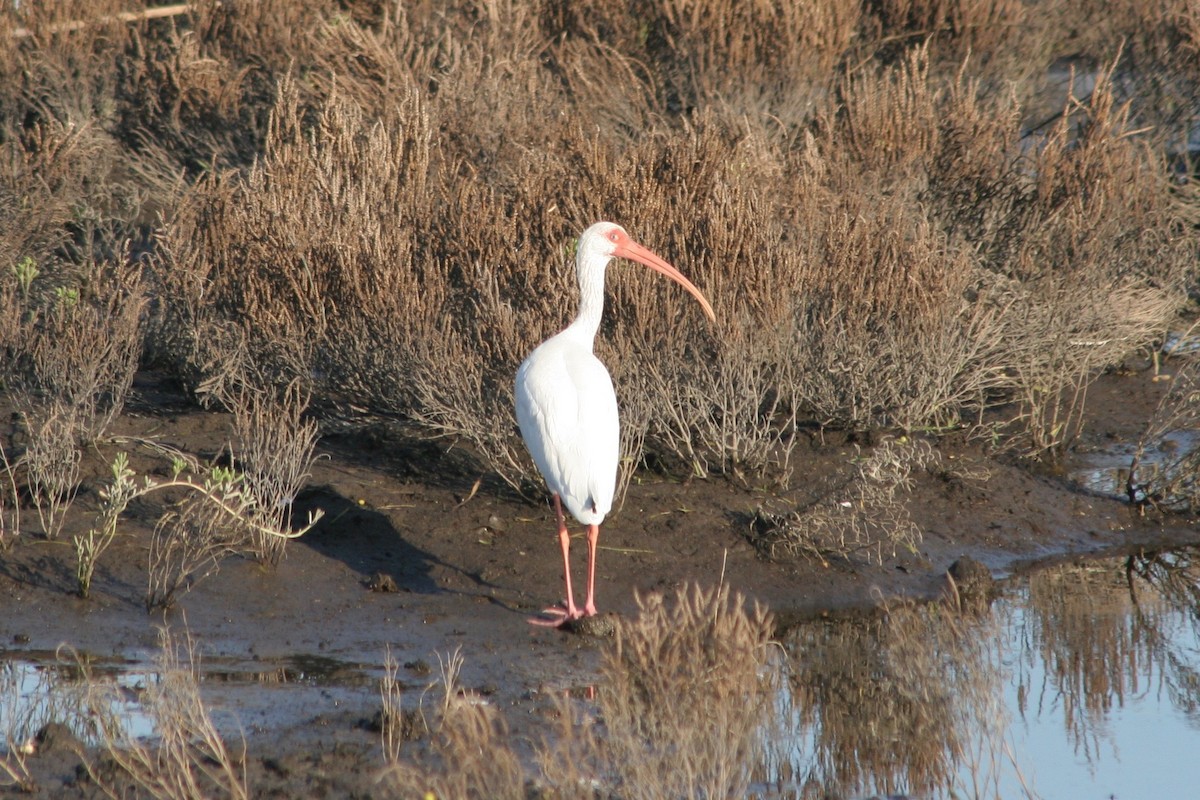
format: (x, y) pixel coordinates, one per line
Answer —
(635, 252)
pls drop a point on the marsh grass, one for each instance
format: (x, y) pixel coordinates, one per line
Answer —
(274, 446)
(704, 645)
(1170, 481)
(904, 218)
(470, 747)
(221, 512)
(72, 338)
(643, 742)
(188, 759)
(864, 517)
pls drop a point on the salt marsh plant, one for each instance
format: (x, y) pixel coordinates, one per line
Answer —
(220, 501)
(700, 644)
(696, 643)
(273, 451)
(905, 217)
(72, 352)
(863, 517)
(470, 744)
(188, 758)
(1162, 473)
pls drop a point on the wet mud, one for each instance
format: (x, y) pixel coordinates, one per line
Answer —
(414, 556)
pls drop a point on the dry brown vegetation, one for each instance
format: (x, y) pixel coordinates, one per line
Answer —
(687, 689)
(1164, 471)
(908, 215)
(188, 759)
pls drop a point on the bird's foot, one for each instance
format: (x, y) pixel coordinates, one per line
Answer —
(557, 616)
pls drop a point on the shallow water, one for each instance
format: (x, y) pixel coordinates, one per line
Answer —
(1083, 681)
(1080, 681)
(1161, 464)
(239, 698)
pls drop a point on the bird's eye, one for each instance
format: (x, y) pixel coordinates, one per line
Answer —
(612, 236)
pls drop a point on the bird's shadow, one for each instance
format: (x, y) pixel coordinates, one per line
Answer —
(367, 541)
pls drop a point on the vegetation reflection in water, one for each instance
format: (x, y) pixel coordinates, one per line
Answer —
(1053, 692)
(1082, 680)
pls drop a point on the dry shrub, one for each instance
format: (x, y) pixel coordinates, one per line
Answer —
(188, 759)
(10, 501)
(701, 644)
(387, 197)
(72, 349)
(897, 704)
(188, 545)
(1158, 72)
(1021, 243)
(273, 450)
(1164, 472)
(51, 462)
(746, 56)
(689, 685)
(223, 511)
(865, 517)
(957, 27)
(70, 180)
(76, 344)
(470, 757)
(396, 725)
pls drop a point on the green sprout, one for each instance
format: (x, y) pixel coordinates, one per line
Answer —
(26, 272)
(68, 297)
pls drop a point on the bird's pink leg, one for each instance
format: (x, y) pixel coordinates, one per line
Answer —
(570, 612)
(589, 606)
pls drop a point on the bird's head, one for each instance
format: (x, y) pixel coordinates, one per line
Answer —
(605, 240)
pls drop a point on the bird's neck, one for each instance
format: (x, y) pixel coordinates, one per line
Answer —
(591, 299)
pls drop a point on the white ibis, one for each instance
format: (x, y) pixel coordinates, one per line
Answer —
(567, 408)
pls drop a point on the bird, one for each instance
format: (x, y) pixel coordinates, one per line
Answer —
(567, 409)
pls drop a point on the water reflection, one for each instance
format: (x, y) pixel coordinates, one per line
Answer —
(34, 695)
(892, 704)
(1075, 675)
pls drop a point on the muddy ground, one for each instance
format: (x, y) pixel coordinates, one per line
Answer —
(292, 655)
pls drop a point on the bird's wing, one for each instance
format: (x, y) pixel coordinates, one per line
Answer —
(567, 411)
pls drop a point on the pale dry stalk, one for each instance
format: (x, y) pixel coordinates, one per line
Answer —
(189, 759)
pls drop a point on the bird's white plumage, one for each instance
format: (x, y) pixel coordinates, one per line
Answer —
(567, 408)
(567, 411)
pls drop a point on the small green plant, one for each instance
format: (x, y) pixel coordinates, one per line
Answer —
(66, 296)
(114, 500)
(221, 494)
(26, 272)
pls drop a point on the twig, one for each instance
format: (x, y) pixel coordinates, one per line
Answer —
(124, 16)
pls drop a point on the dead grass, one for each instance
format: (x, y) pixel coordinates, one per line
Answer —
(1164, 471)
(470, 746)
(273, 450)
(189, 758)
(699, 644)
(863, 517)
(903, 217)
(72, 342)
